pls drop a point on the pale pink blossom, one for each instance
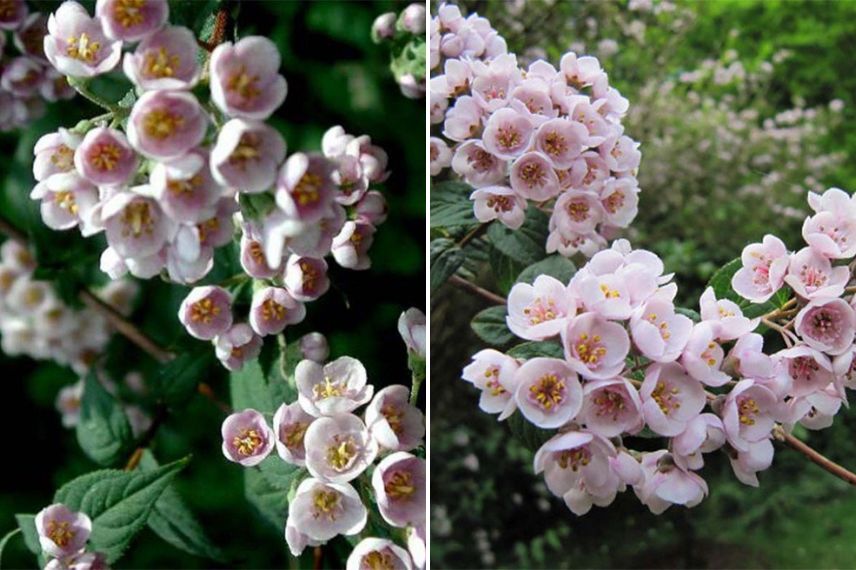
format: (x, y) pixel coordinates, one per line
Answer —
(247, 156)
(339, 448)
(68, 403)
(22, 76)
(350, 247)
(338, 387)
(314, 346)
(131, 20)
(62, 532)
(659, 333)
(499, 203)
(247, 439)
(67, 200)
(827, 324)
(725, 315)
(306, 278)
(575, 456)
(831, 232)
(304, 187)
(273, 309)
(577, 212)
(611, 407)
(237, 346)
(245, 79)
(13, 14)
(580, 72)
(441, 156)
(464, 120)
(400, 485)
(809, 370)
(562, 141)
(507, 134)
(166, 59)
(105, 158)
(411, 327)
(494, 374)
(371, 553)
(76, 44)
(54, 153)
(477, 166)
(136, 226)
(166, 124)
(746, 464)
(594, 347)
(764, 267)
(811, 275)
(290, 423)
(540, 310)
(619, 199)
(206, 312)
(703, 434)
(748, 414)
(548, 392)
(394, 423)
(666, 483)
(185, 189)
(322, 510)
(253, 259)
(703, 356)
(670, 398)
(533, 177)
(620, 153)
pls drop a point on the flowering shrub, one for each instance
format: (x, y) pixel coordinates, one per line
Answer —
(617, 387)
(190, 175)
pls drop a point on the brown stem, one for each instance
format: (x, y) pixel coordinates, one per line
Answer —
(817, 458)
(473, 234)
(317, 558)
(219, 32)
(473, 288)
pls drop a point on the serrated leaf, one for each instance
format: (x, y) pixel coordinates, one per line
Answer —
(271, 503)
(525, 244)
(118, 502)
(532, 349)
(174, 522)
(451, 205)
(490, 326)
(446, 258)
(249, 389)
(103, 431)
(553, 265)
(528, 434)
(505, 269)
(279, 473)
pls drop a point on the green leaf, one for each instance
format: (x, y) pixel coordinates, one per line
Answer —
(505, 269)
(249, 389)
(721, 284)
(554, 265)
(178, 379)
(525, 244)
(446, 258)
(269, 501)
(490, 326)
(279, 473)
(693, 315)
(532, 349)
(451, 205)
(118, 502)
(527, 433)
(6, 539)
(103, 432)
(27, 524)
(174, 522)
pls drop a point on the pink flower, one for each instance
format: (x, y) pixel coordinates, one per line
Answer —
(379, 552)
(477, 166)
(726, 316)
(811, 275)
(383, 27)
(844, 365)
(416, 545)
(338, 387)
(748, 360)
(441, 156)
(562, 141)
(247, 439)
(611, 407)
(658, 332)
(533, 177)
(702, 356)
(77, 44)
(54, 153)
(306, 278)
(577, 457)
(499, 203)
(105, 158)
(304, 188)
(548, 392)
(236, 346)
(411, 327)
(594, 347)
(620, 153)
(394, 423)
(577, 212)
(245, 79)
(185, 188)
(164, 60)
(619, 199)
(494, 373)
(206, 312)
(136, 226)
(540, 310)
(464, 120)
(704, 433)
(666, 483)
(314, 346)
(763, 271)
(350, 247)
(339, 448)
(67, 201)
(166, 124)
(580, 72)
(68, 403)
(399, 482)
(670, 398)
(831, 232)
(22, 76)
(808, 369)
(322, 510)
(131, 20)
(748, 414)
(746, 464)
(273, 309)
(62, 532)
(507, 134)
(253, 259)
(247, 156)
(827, 325)
(290, 423)
(13, 14)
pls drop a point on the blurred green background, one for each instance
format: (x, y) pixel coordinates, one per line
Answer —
(336, 75)
(741, 107)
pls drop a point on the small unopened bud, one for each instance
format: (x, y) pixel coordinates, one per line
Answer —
(383, 27)
(314, 346)
(412, 19)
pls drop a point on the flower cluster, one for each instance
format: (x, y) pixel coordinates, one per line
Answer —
(550, 136)
(35, 322)
(406, 35)
(322, 434)
(632, 361)
(27, 80)
(63, 535)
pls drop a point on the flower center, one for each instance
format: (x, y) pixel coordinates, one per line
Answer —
(500, 203)
(60, 533)
(555, 144)
(747, 409)
(129, 12)
(308, 190)
(244, 84)
(394, 417)
(812, 277)
(63, 158)
(377, 560)
(578, 210)
(609, 402)
(207, 228)
(493, 384)
(160, 63)
(66, 201)
(548, 391)
(204, 311)
(614, 202)
(327, 389)
(185, 186)
(342, 453)
(247, 150)
(508, 137)
(481, 160)
(83, 48)
(293, 434)
(105, 156)
(161, 123)
(710, 354)
(824, 325)
(803, 368)
(400, 485)
(589, 349)
(574, 458)
(326, 503)
(247, 442)
(137, 219)
(540, 311)
(662, 326)
(533, 174)
(257, 253)
(272, 311)
(310, 275)
(665, 397)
